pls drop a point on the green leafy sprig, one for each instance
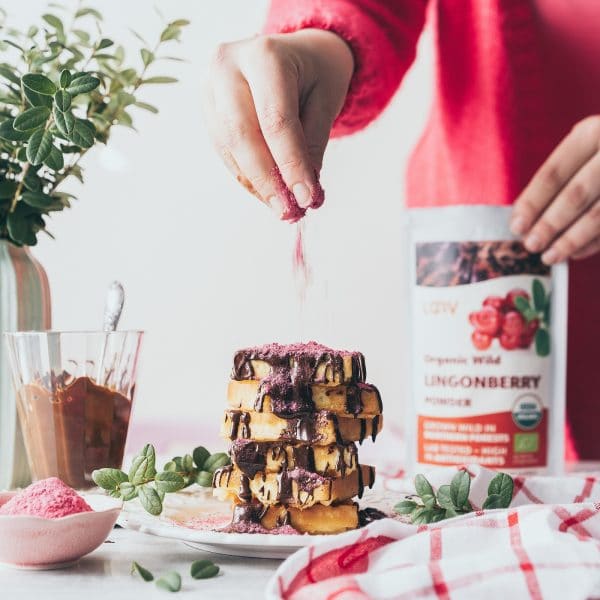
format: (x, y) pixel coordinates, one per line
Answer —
(144, 482)
(63, 88)
(538, 310)
(452, 500)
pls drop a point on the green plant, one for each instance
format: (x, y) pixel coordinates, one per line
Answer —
(62, 89)
(144, 482)
(452, 500)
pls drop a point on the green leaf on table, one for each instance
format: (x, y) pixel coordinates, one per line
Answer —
(459, 488)
(62, 100)
(36, 82)
(109, 479)
(539, 295)
(32, 118)
(64, 121)
(169, 581)
(82, 134)
(542, 342)
(168, 482)
(81, 85)
(39, 146)
(203, 569)
(200, 454)
(160, 79)
(405, 507)
(180, 22)
(143, 573)
(55, 160)
(216, 461)
(170, 466)
(150, 499)
(204, 479)
(546, 314)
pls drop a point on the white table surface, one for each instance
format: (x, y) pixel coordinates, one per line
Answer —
(105, 573)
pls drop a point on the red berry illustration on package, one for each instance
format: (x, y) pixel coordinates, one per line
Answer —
(515, 320)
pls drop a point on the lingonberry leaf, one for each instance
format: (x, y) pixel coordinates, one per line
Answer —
(216, 461)
(109, 479)
(502, 485)
(200, 454)
(168, 482)
(143, 573)
(204, 479)
(443, 497)
(493, 501)
(203, 569)
(170, 581)
(459, 488)
(424, 489)
(405, 507)
(150, 499)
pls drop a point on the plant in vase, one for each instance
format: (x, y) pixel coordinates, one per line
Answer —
(63, 87)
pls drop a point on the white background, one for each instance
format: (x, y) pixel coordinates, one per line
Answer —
(206, 268)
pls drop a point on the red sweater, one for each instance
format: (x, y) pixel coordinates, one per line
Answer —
(513, 76)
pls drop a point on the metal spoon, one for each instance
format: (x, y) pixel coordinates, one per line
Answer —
(113, 307)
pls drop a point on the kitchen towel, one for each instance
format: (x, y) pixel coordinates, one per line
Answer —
(545, 546)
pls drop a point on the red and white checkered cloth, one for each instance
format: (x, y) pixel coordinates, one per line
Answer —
(547, 545)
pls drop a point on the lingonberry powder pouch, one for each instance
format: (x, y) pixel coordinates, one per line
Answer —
(488, 343)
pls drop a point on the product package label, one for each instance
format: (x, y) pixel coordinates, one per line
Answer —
(482, 354)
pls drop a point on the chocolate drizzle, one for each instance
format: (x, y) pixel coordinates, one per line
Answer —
(368, 515)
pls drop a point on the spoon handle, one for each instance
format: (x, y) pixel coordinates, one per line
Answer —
(115, 299)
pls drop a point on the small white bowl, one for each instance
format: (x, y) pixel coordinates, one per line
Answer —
(36, 543)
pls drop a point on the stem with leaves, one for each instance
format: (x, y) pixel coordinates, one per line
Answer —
(453, 499)
(144, 482)
(61, 94)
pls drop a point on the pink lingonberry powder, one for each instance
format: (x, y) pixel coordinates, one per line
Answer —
(49, 498)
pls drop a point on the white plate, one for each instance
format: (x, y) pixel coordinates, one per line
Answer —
(197, 507)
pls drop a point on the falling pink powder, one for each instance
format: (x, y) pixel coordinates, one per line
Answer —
(49, 498)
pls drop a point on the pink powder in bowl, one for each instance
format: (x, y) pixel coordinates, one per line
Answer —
(49, 498)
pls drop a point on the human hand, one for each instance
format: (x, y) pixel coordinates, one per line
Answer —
(558, 213)
(269, 106)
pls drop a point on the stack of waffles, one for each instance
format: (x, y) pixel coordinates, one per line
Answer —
(294, 415)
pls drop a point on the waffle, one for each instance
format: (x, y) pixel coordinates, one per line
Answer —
(317, 519)
(319, 364)
(321, 428)
(360, 400)
(296, 487)
(253, 457)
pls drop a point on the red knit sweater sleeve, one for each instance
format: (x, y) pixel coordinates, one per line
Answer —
(382, 35)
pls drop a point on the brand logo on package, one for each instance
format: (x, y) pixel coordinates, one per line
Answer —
(481, 361)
